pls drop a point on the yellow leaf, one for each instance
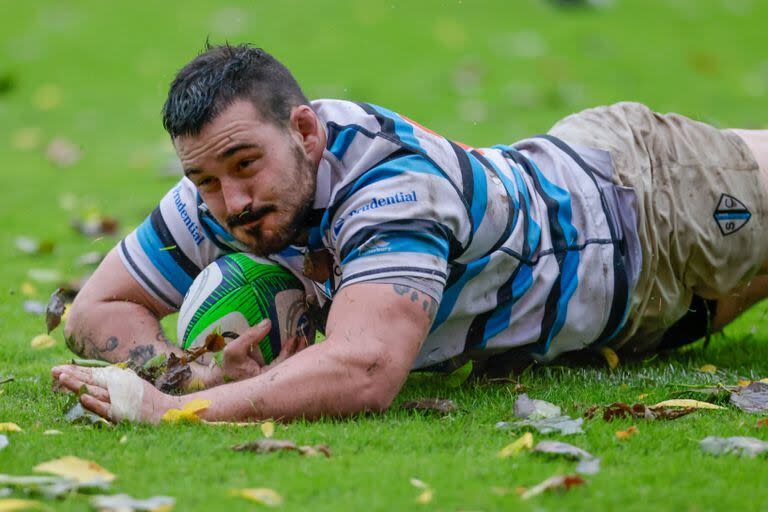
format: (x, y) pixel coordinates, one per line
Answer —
(525, 442)
(744, 383)
(9, 427)
(11, 505)
(28, 289)
(624, 434)
(425, 496)
(123, 440)
(260, 495)
(610, 357)
(686, 402)
(52, 432)
(764, 381)
(708, 368)
(74, 467)
(642, 396)
(42, 341)
(188, 412)
(268, 429)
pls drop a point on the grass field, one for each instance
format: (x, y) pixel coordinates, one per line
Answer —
(95, 73)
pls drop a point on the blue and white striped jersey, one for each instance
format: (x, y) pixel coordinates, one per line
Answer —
(528, 244)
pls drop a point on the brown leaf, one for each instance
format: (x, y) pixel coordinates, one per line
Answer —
(439, 405)
(753, 398)
(562, 482)
(564, 449)
(96, 226)
(278, 445)
(214, 342)
(177, 373)
(642, 411)
(55, 309)
(625, 434)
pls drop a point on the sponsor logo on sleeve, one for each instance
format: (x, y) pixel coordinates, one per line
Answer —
(374, 204)
(190, 224)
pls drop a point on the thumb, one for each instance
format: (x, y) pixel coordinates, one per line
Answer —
(243, 344)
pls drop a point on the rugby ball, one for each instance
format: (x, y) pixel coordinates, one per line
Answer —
(237, 291)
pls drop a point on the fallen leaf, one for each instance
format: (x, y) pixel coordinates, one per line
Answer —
(564, 425)
(51, 486)
(55, 308)
(642, 411)
(175, 376)
(564, 449)
(268, 429)
(63, 153)
(762, 423)
(81, 470)
(419, 484)
(188, 412)
(588, 466)
(425, 496)
(13, 504)
(753, 398)
(642, 396)
(460, 375)
(126, 503)
(34, 307)
(565, 482)
(123, 440)
(80, 415)
(52, 432)
(3, 441)
(277, 445)
(42, 341)
(260, 495)
(610, 357)
(28, 289)
(524, 442)
(742, 446)
(687, 403)
(29, 245)
(625, 434)
(708, 368)
(532, 409)
(439, 405)
(9, 427)
(96, 225)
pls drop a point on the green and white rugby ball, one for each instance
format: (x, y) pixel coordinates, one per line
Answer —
(237, 291)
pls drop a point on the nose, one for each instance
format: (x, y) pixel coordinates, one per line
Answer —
(236, 196)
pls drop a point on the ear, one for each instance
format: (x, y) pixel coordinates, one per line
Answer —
(308, 127)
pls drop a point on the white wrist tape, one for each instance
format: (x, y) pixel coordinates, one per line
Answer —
(126, 391)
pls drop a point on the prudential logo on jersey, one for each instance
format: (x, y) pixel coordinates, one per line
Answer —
(376, 203)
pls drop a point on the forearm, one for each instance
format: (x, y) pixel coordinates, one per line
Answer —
(116, 331)
(335, 378)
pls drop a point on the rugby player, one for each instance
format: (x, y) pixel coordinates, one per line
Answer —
(616, 228)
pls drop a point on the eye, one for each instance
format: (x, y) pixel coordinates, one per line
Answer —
(244, 164)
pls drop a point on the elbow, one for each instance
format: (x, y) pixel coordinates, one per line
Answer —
(380, 381)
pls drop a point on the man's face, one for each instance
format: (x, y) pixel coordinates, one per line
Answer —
(255, 176)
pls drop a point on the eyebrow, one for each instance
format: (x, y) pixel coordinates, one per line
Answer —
(234, 149)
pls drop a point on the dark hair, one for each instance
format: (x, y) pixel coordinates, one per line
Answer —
(222, 74)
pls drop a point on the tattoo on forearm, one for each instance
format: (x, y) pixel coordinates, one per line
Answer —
(85, 346)
(428, 304)
(141, 354)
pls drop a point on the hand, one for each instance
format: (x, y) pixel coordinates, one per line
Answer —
(95, 396)
(242, 358)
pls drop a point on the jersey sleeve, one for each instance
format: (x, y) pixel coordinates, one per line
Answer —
(170, 248)
(400, 219)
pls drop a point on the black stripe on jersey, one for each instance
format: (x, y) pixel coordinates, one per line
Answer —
(511, 211)
(559, 245)
(212, 236)
(476, 332)
(387, 124)
(427, 272)
(454, 274)
(144, 278)
(170, 245)
(416, 225)
(467, 184)
(620, 285)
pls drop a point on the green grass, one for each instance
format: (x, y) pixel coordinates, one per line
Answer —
(111, 65)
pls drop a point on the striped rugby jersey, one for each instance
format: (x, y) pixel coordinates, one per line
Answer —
(528, 244)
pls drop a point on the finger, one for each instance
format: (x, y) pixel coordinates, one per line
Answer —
(242, 344)
(83, 374)
(95, 405)
(70, 382)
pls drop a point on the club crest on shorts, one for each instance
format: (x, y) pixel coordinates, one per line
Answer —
(731, 214)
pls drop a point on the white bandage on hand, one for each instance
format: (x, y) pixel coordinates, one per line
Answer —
(126, 391)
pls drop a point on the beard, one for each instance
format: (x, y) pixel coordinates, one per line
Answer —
(291, 214)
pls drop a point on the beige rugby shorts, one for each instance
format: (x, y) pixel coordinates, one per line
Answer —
(702, 205)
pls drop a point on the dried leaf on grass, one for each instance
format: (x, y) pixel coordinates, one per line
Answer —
(588, 466)
(52, 432)
(261, 495)
(96, 225)
(560, 482)
(278, 445)
(14, 504)
(34, 307)
(188, 412)
(559, 448)
(564, 425)
(610, 356)
(55, 309)
(29, 245)
(533, 409)
(9, 427)
(439, 405)
(50, 486)
(752, 398)
(524, 442)
(81, 470)
(708, 368)
(640, 411)
(174, 376)
(126, 503)
(626, 434)
(268, 429)
(460, 375)
(684, 402)
(42, 341)
(427, 493)
(742, 446)
(79, 415)
(214, 342)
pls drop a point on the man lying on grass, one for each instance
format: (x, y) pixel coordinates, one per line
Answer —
(615, 229)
